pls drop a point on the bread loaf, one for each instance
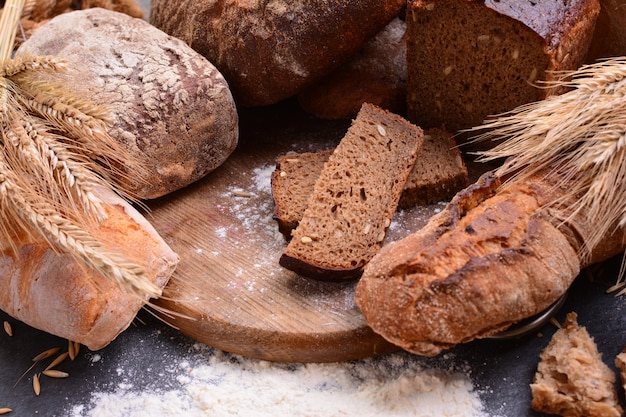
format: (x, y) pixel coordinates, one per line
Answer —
(477, 267)
(55, 293)
(376, 74)
(438, 173)
(271, 51)
(355, 197)
(468, 59)
(171, 107)
(571, 379)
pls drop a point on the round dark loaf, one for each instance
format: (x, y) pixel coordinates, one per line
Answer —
(268, 51)
(485, 262)
(171, 106)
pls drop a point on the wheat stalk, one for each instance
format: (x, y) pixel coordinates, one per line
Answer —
(580, 134)
(54, 151)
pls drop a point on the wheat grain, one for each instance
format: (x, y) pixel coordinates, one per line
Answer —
(53, 373)
(7, 328)
(36, 384)
(46, 354)
(5, 410)
(59, 359)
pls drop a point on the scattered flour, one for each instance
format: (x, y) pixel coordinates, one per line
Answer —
(214, 383)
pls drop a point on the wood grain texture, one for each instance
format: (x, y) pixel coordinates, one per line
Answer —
(229, 285)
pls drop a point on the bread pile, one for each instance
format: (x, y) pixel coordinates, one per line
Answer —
(424, 70)
(173, 110)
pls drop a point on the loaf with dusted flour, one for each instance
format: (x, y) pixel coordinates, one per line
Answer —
(438, 173)
(355, 197)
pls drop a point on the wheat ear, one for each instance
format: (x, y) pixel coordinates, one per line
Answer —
(580, 134)
(54, 151)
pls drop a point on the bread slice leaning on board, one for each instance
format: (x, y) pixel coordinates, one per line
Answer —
(54, 292)
(491, 258)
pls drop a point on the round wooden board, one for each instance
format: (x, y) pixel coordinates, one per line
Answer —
(229, 290)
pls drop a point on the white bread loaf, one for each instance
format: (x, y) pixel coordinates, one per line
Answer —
(55, 293)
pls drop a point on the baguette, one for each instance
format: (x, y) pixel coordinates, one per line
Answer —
(490, 259)
(55, 293)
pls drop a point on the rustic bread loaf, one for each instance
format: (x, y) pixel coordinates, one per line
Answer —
(467, 59)
(477, 267)
(171, 107)
(355, 197)
(571, 379)
(53, 292)
(270, 51)
(376, 74)
(438, 173)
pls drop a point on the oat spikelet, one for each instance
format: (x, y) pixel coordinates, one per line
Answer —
(580, 134)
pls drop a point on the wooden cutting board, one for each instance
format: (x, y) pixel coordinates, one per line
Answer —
(229, 290)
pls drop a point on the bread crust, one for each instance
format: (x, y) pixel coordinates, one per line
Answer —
(55, 293)
(479, 266)
(269, 50)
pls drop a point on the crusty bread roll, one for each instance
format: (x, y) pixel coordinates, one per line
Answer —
(488, 260)
(172, 108)
(268, 51)
(55, 293)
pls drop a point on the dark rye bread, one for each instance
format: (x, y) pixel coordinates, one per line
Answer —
(355, 197)
(468, 59)
(439, 172)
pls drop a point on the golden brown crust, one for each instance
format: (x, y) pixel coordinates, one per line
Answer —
(53, 292)
(476, 268)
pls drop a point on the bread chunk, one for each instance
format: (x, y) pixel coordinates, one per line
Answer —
(354, 197)
(439, 172)
(620, 362)
(467, 59)
(571, 379)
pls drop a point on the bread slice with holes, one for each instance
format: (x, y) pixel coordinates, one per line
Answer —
(571, 379)
(439, 172)
(354, 197)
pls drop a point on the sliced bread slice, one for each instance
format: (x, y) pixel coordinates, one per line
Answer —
(439, 172)
(354, 197)
(571, 379)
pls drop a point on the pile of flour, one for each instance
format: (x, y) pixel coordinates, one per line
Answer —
(213, 383)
